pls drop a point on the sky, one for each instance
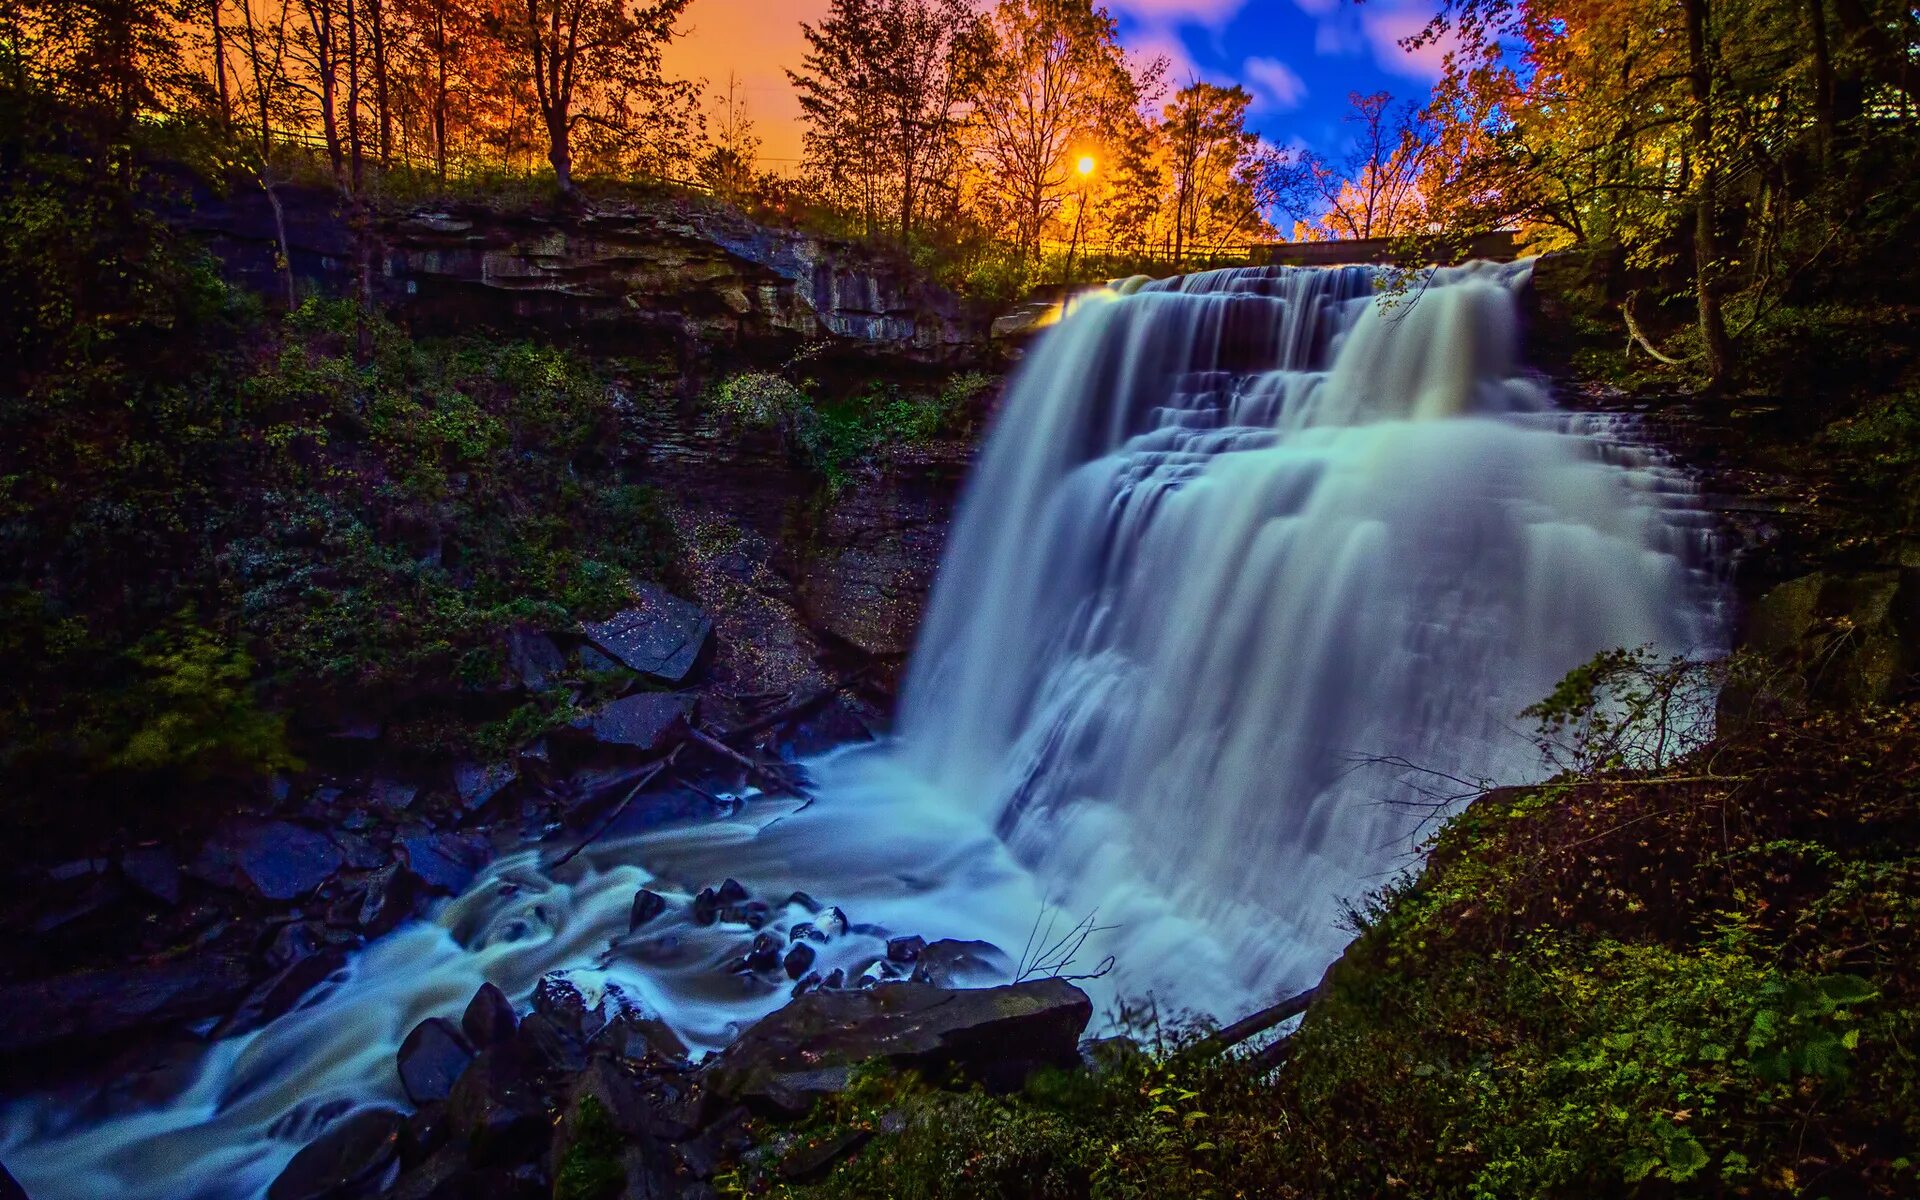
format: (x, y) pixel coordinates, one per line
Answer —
(1299, 58)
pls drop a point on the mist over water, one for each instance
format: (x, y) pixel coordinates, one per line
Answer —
(1232, 535)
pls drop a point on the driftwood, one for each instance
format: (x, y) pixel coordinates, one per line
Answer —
(1633, 331)
(1258, 1023)
(646, 777)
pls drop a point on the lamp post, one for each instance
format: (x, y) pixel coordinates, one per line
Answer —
(1084, 168)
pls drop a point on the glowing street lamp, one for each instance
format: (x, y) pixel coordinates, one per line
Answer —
(1086, 165)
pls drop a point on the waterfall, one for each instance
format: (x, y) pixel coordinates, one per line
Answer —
(1236, 542)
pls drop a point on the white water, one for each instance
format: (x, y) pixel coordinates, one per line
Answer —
(1229, 536)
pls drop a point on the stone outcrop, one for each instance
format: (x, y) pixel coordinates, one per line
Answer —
(678, 267)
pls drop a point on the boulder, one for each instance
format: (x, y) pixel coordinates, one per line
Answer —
(477, 783)
(489, 1019)
(154, 870)
(905, 949)
(350, 1157)
(97, 1004)
(445, 862)
(532, 659)
(431, 1059)
(280, 992)
(996, 1036)
(646, 906)
(799, 960)
(273, 859)
(496, 1110)
(392, 895)
(950, 963)
(661, 636)
(392, 795)
(649, 721)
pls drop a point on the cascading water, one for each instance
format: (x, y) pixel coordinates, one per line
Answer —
(1233, 536)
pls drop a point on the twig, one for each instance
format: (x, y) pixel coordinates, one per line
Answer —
(772, 780)
(643, 781)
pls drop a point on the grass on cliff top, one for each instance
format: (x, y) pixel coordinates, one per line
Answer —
(1698, 979)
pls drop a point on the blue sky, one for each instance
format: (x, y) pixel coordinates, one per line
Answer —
(1299, 58)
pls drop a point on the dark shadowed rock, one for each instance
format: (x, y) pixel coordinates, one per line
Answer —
(950, 963)
(100, 1003)
(799, 960)
(496, 1110)
(649, 721)
(445, 862)
(392, 894)
(731, 892)
(274, 859)
(477, 783)
(636, 1035)
(349, 1158)
(532, 658)
(996, 1036)
(489, 1019)
(392, 795)
(764, 955)
(10, 1188)
(154, 870)
(706, 907)
(661, 635)
(432, 1058)
(905, 949)
(557, 999)
(646, 906)
(280, 993)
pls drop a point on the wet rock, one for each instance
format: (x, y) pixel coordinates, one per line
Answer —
(559, 1000)
(392, 895)
(392, 795)
(646, 906)
(996, 1036)
(155, 870)
(445, 862)
(953, 964)
(753, 914)
(278, 994)
(431, 1058)
(831, 923)
(532, 658)
(292, 942)
(100, 1003)
(802, 900)
(546, 1048)
(273, 859)
(706, 907)
(10, 1188)
(905, 949)
(489, 1019)
(637, 1036)
(360, 853)
(805, 931)
(799, 960)
(662, 635)
(731, 892)
(350, 1157)
(477, 783)
(648, 721)
(426, 1131)
(496, 1111)
(765, 953)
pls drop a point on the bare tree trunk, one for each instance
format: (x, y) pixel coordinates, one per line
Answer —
(220, 63)
(1706, 226)
(1822, 74)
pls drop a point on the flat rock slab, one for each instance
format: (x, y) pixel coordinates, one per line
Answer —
(649, 721)
(662, 635)
(997, 1036)
(274, 859)
(349, 1156)
(99, 1003)
(445, 862)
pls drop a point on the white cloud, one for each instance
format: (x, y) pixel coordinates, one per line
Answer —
(1211, 13)
(1276, 87)
(1386, 24)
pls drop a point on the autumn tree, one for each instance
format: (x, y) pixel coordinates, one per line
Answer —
(592, 61)
(1377, 189)
(1055, 86)
(1215, 169)
(881, 88)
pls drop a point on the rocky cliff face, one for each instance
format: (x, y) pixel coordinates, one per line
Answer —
(676, 271)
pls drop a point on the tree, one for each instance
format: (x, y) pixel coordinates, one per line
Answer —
(728, 165)
(881, 88)
(581, 51)
(1056, 85)
(1214, 168)
(1378, 189)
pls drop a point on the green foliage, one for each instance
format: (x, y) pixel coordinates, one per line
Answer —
(836, 436)
(1626, 709)
(194, 709)
(592, 1169)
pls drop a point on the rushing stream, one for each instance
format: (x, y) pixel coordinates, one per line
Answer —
(1234, 539)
